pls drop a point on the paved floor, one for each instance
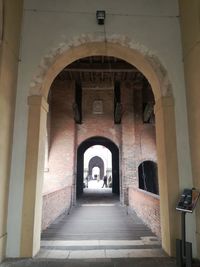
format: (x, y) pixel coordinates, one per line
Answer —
(99, 228)
(97, 232)
(130, 262)
(97, 222)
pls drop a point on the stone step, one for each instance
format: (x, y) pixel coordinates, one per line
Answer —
(100, 253)
(145, 243)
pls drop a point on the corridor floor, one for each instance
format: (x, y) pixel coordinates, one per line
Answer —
(98, 232)
(99, 227)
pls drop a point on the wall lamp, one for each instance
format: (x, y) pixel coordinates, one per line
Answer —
(100, 15)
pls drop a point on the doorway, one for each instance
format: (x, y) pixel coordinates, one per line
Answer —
(101, 141)
(166, 140)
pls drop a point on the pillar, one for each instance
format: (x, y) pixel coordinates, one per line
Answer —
(10, 33)
(190, 25)
(128, 141)
(167, 172)
(33, 181)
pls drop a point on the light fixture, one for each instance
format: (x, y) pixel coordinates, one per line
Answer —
(100, 15)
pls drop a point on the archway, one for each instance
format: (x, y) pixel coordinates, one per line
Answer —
(166, 140)
(96, 162)
(148, 180)
(98, 140)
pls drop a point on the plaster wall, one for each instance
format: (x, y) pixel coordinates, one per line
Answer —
(151, 25)
(190, 19)
(9, 57)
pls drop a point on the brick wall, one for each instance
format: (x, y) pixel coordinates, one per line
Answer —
(148, 143)
(98, 124)
(61, 128)
(58, 178)
(147, 207)
(145, 135)
(54, 204)
(128, 140)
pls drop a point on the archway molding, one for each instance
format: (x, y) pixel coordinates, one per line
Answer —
(150, 66)
(118, 46)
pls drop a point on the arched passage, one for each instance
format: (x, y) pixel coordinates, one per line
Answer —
(97, 140)
(166, 140)
(96, 162)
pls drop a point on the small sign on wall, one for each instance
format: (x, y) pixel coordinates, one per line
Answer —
(97, 107)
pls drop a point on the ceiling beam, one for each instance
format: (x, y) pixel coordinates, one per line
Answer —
(96, 67)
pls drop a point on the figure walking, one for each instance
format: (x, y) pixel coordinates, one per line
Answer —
(110, 181)
(105, 178)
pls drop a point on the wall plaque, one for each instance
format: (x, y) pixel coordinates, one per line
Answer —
(97, 107)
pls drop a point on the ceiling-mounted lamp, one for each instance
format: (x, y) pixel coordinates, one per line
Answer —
(100, 15)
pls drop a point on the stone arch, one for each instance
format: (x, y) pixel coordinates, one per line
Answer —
(152, 69)
(109, 144)
(118, 46)
(96, 162)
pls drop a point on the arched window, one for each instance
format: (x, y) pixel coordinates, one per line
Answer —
(148, 176)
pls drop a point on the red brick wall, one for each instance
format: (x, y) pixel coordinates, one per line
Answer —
(147, 207)
(54, 204)
(58, 179)
(128, 141)
(148, 143)
(62, 137)
(145, 135)
(98, 124)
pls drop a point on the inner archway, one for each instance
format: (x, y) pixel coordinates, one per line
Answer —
(96, 162)
(97, 140)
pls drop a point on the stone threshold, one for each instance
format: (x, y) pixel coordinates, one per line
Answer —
(101, 253)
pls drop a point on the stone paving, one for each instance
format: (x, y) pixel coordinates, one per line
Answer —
(123, 262)
(99, 228)
(97, 232)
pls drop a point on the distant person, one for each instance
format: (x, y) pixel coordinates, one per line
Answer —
(105, 178)
(86, 179)
(110, 181)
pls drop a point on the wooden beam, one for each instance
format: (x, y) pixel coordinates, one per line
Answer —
(96, 67)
